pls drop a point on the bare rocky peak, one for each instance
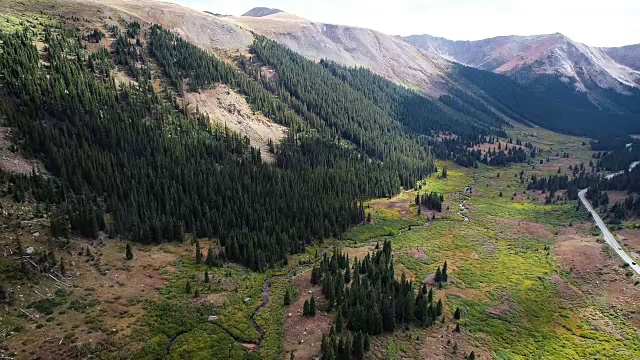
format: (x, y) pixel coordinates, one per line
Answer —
(261, 12)
(553, 54)
(386, 55)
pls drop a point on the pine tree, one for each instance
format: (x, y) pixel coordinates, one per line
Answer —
(367, 342)
(445, 276)
(187, 288)
(196, 293)
(458, 327)
(206, 276)
(210, 260)
(63, 271)
(287, 298)
(339, 321)
(439, 307)
(358, 345)
(438, 277)
(305, 309)
(472, 356)
(348, 346)
(457, 314)
(312, 306)
(4, 294)
(198, 252)
(347, 276)
(128, 252)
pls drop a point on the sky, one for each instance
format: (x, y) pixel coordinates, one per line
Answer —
(595, 23)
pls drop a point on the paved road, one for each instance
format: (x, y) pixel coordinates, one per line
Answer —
(608, 237)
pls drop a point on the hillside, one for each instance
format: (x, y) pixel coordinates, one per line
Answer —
(351, 46)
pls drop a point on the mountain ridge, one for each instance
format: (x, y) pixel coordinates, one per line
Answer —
(524, 57)
(261, 11)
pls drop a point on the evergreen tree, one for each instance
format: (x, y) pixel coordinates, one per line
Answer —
(438, 277)
(206, 276)
(445, 276)
(358, 345)
(4, 295)
(312, 306)
(198, 252)
(306, 309)
(128, 252)
(457, 314)
(287, 298)
(339, 321)
(210, 260)
(63, 270)
(187, 288)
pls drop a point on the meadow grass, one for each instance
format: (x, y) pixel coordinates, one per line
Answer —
(513, 308)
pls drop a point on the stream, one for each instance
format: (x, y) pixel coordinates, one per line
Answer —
(463, 209)
(265, 301)
(265, 293)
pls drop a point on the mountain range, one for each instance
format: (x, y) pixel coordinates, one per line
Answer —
(549, 80)
(576, 82)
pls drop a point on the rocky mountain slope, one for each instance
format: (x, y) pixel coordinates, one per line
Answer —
(198, 27)
(626, 55)
(526, 57)
(386, 55)
(261, 11)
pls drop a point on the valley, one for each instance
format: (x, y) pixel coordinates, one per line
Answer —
(177, 184)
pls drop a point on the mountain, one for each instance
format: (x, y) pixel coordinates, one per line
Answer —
(431, 68)
(557, 82)
(261, 11)
(351, 46)
(526, 57)
(626, 55)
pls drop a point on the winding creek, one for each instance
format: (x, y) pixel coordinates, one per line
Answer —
(463, 209)
(265, 301)
(265, 294)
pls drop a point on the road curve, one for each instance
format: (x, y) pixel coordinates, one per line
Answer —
(608, 237)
